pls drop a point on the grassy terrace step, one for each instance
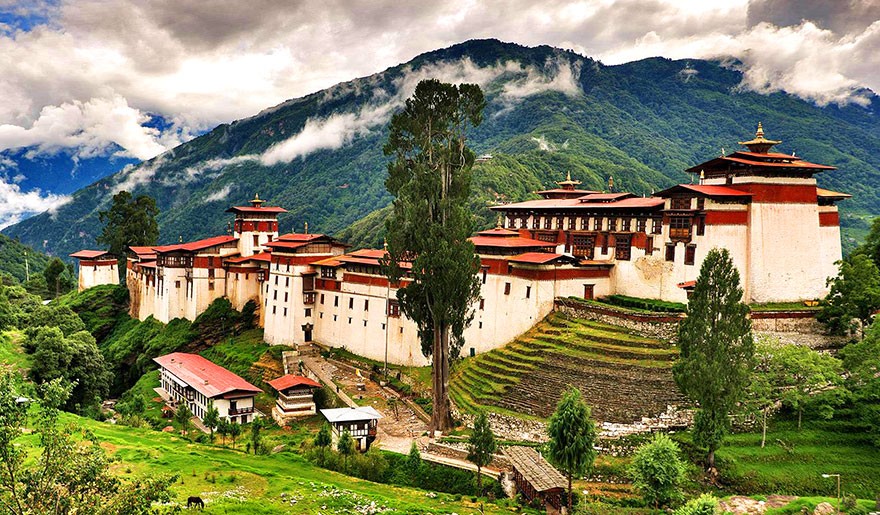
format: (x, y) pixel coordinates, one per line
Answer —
(623, 375)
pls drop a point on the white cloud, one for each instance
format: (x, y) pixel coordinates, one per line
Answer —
(133, 175)
(16, 205)
(220, 194)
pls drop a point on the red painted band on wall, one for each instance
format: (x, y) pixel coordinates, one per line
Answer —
(781, 193)
(106, 262)
(563, 274)
(829, 219)
(727, 217)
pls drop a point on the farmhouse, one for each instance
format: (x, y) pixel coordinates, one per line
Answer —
(295, 397)
(360, 423)
(781, 229)
(193, 380)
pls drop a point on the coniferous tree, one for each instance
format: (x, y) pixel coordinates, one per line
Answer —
(183, 416)
(323, 440)
(345, 446)
(572, 435)
(212, 419)
(129, 221)
(716, 349)
(234, 431)
(431, 222)
(855, 294)
(481, 446)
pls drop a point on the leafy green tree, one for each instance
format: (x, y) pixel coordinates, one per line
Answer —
(71, 474)
(323, 440)
(657, 471)
(182, 416)
(481, 446)
(572, 436)
(862, 363)
(223, 429)
(345, 445)
(61, 317)
(55, 277)
(854, 295)
(129, 221)
(234, 431)
(871, 246)
(716, 350)
(75, 359)
(430, 178)
(257, 435)
(413, 465)
(212, 419)
(705, 504)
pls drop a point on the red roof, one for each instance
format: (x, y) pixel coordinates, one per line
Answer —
(289, 381)
(687, 285)
(518, 241)
(262, 256)
(147, 264)
(286, 245)
(707, 190)
(142, 251)
(209, 379)
(197, 245)
(299, 237)
(537, 258)
(250, 209)
(332, 261)
(88, 254)
(563, 190)
(499, 232)
(598, 197)
(822, 192)
(758, 160)
(578, 204)
(370, 253)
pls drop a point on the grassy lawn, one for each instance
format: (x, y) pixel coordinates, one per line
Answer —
(233, 482)
(11, 354)
(783, 306)
(796, 468)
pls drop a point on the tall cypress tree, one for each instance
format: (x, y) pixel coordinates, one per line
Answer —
(430, 177)
(716, 349)
(129, 221)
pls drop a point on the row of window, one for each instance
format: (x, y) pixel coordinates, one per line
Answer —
(583, 223)
(690, 253)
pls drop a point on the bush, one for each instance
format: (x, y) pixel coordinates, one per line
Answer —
(646, 304)
(702, 505)
(657, 470)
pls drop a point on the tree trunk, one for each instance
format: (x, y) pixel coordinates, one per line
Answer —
(763, 427)
(800, 412)
(569, 493)
(441, 419)
(479, 482)
(711, 458)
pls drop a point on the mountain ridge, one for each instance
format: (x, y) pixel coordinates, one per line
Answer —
(549, 111)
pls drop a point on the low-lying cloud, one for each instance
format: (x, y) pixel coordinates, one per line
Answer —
(16, 205)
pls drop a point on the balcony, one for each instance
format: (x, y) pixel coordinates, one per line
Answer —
(241, 411)
(309, 298)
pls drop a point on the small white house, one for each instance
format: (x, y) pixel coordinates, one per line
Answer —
(96, 267)
(360, 422)
(295, 397)
(192, 379)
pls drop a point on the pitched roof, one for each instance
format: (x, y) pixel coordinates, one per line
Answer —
(499, 231)
(251, 209)
(605, 197)
(517, 241)
(535, 469)
(579, 204)
(294, 236)
(289, 381)
(206, 377)
(197, 245)
(262, 256)
(822, 192)
(334, 415)
(537, 258)
(708, 190)
(89, 254)
(143, 252)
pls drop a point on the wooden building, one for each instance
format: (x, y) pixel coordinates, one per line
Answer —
(193, 380)
(295, 397)
(361, 423)
(535, 478)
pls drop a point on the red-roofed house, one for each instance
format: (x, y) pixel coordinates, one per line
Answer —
(295, 397)
(96, 267)
(200, 384)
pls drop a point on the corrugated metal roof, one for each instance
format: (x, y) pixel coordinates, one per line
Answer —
(206, 377)
(89, 254)
(289, 381)
(539, 258)
(250, 209)
(335, 415)
(197, 245)
(535, 469)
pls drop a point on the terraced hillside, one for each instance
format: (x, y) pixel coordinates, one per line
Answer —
(622, 376)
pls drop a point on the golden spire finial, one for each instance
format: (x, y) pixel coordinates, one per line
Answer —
(702, 176)
(385, 244)
(307, 227)
(610, 184)
(760, 144)
(760, 132)
(568, 175)
(256, 202)
(723, 153)
(498, 223)
(180, 239)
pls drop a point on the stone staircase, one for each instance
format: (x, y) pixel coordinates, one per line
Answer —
(622, 376)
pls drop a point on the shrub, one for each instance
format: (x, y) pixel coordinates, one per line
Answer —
(657, 470)
(702, 505)
(646, 304)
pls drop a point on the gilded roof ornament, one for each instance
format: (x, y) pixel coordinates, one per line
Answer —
(759, 145)
(568, 183)
(256, 202)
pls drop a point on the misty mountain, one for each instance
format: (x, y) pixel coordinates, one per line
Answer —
(549, 112)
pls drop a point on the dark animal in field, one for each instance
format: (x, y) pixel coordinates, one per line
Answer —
(195, 501)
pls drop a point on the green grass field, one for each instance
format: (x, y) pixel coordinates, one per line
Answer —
(234, 482)
(11, 354)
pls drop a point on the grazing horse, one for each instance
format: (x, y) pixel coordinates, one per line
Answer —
(195, 501)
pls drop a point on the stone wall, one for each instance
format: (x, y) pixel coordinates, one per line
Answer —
(653, 325)
(459, 452)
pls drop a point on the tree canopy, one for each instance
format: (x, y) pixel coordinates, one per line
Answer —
(572, 436)
(430, 178)
(129, 221)
(481, 446)
(657, 471)
(716, 349)
(854, 294)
